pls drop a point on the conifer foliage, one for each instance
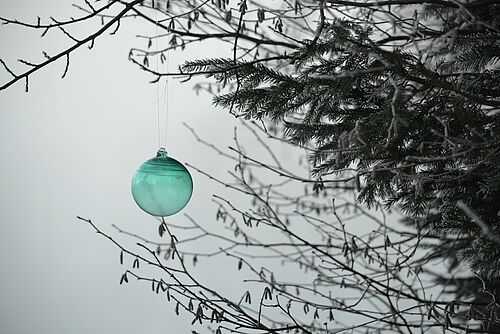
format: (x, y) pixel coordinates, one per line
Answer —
(418, 123)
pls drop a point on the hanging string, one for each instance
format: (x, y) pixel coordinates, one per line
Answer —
(166, 91)
(157, 71)
(166, 97)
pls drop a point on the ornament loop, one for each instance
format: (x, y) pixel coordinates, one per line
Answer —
(162, 153)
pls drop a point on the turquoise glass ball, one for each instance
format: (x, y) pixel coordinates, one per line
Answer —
(162, 186)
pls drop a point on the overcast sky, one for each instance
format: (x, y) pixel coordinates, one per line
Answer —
(70, 147)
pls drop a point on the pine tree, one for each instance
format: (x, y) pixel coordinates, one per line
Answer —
(421, 129)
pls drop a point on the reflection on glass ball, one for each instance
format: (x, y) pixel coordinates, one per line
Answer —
(162, 186)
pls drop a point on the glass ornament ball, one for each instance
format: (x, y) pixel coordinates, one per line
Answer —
(162, 186)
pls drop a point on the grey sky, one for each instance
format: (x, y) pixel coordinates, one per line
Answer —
(69, 147)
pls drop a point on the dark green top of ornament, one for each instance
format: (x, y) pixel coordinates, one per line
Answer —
(162, 164)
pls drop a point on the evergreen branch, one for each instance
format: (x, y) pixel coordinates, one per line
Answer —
(476, 219)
